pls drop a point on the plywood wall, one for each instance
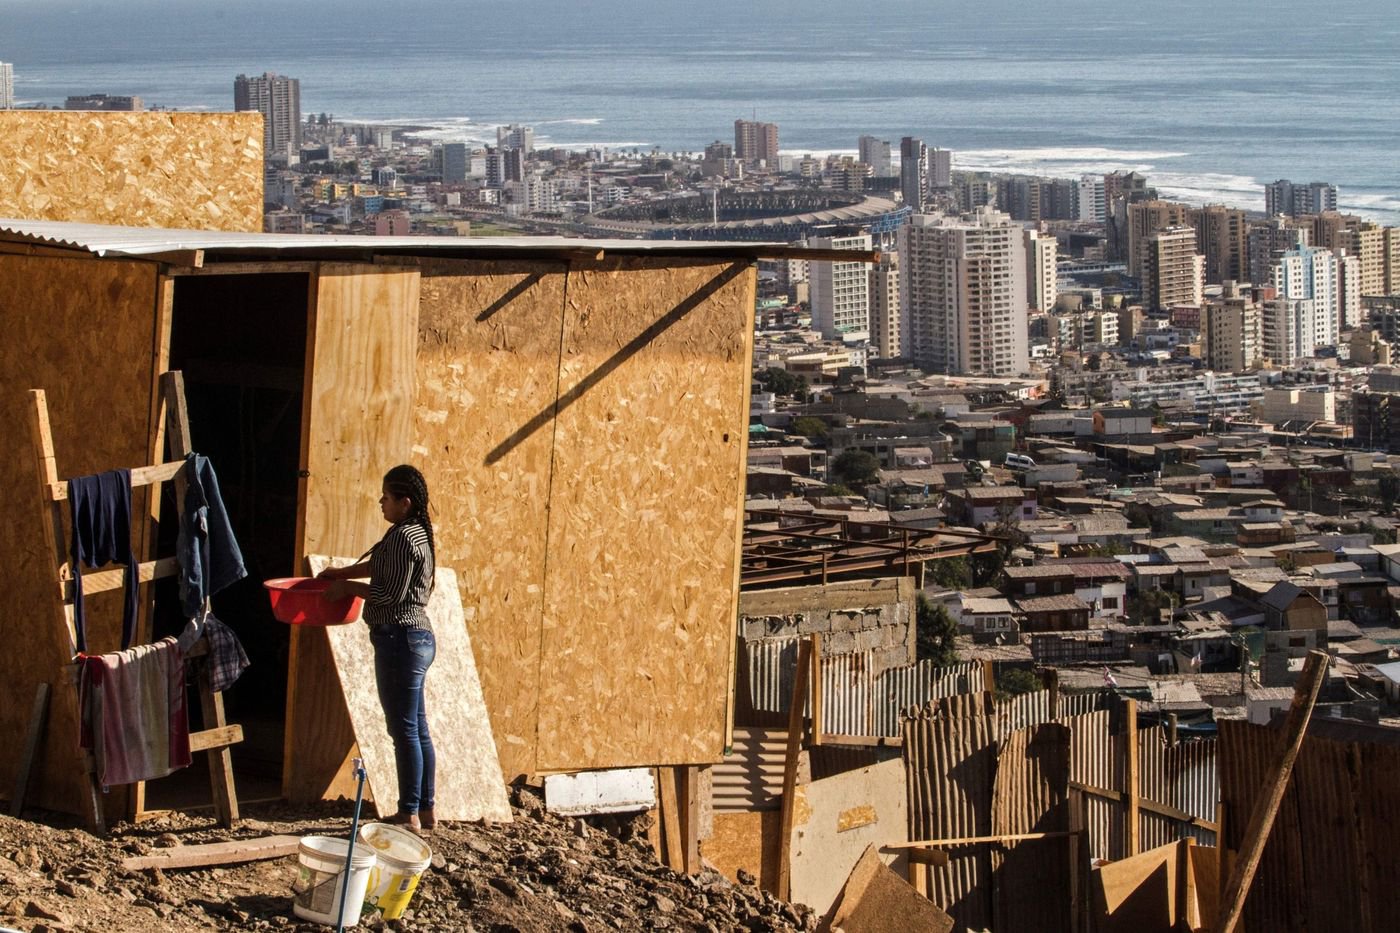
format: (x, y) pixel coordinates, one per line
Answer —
(83, 331)
(200, 171)
(488, 361)
(648, 475)
(583, 431)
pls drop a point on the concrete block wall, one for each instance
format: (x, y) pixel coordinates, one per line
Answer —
(851, 616)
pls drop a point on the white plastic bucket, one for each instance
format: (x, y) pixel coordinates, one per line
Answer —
(321, 875)
(401, 858)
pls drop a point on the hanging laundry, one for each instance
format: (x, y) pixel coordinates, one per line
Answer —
(132, 706)
(226, 659)
(100, 508)
(207, 550)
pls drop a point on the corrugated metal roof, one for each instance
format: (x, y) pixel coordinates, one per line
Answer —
(105, 240)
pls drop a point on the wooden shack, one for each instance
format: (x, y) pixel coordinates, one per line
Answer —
(580, 409)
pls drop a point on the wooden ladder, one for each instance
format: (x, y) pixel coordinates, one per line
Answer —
(218, 735)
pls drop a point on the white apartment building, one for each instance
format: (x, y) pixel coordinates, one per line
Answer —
(1089, 203)
(1174, 273)
(1330, 280)
(278, 99)
(963, 294)
(886, 336)
(1042, 270)
(7, 86)
(940, 168)
(840, 292)
(516, 136)
(1216, 393)
(1314, 403)
(1288, 330)
(876, 154)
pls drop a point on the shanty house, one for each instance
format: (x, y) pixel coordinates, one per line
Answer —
(579, 409)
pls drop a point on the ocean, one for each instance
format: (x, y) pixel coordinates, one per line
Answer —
(1209, 99)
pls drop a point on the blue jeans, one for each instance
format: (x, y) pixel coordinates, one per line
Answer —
(402, 657)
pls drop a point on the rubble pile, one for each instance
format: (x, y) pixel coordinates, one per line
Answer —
(539, 873)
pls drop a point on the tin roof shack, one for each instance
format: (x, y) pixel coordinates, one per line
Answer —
(579, 408)
(1039, 580)
(990, 505)
(1101, 583)
(1053, 613)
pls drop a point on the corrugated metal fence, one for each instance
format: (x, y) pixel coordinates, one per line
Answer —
(855, 701)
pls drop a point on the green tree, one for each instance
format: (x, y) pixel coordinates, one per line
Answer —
(955, 573)
(935, 631)
(1145, 607)
(1014, 681)
(836, 489)
(807, 426)
(855, 468)
(1389, 487)
(782, 382)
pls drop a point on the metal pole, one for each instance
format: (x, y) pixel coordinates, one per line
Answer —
(359, 772)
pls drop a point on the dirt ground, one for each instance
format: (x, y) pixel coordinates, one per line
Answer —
(538, 873)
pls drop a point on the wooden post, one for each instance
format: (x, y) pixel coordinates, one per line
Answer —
(818, 705)
(177, 432)
(688, 799)
(989, 677)
(1188, 910)
(38, 716)
(794, 749)
(1130, 777)
(1050, 678)
(1265, 810)
(62, 622)
(670, 819)
(1171, 728)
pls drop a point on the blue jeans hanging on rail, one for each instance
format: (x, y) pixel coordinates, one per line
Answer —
(402, 657)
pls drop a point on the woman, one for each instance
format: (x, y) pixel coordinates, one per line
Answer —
(400, 571)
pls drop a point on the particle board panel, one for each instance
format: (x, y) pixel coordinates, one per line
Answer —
(1138, 894)
(196, 171)
(84, 331)
(747, 841)
(876, 898)
(469, 785)
(639, 622)
(488, 359)
(356, 424)
(836, 819)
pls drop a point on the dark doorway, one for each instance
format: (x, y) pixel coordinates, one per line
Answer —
(240, 341)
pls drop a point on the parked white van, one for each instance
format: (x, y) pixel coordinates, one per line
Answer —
(1019, 462)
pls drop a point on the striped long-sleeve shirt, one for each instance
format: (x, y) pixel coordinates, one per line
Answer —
(400, 578)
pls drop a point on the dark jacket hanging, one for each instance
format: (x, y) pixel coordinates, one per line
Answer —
(100, 507)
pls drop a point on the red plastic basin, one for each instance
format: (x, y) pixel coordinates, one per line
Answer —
(301, 601)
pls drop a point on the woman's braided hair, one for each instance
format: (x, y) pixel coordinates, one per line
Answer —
(405, 480)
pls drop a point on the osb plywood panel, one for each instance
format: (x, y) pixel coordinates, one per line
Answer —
(199, 171)
(356, 424)
(488, 362)
(469, 785)
(747, 841)
(1139, 893)
(83, 331)
(836, 819)
(644, 517)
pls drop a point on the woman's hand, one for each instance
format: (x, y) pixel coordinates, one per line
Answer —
(337, 590)
(331, 573)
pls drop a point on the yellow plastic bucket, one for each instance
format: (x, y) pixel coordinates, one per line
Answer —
(401, 859)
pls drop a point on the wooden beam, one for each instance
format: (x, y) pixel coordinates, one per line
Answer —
(1130, 778)
(222, 737)
(141, 476)
(670, 819)
(975, 840)
(1189, 908)
(1261, 817)
(989, 676)
(1051, 680)
(244, 268)
(816, 689)
(688, 794)
(1151, 806)
(873, 741)
(216, 853)
(870, 257)
(925, 856)
(185, 258)
(105, 580)
(790, 757)
(38, 717)
(62, 621)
